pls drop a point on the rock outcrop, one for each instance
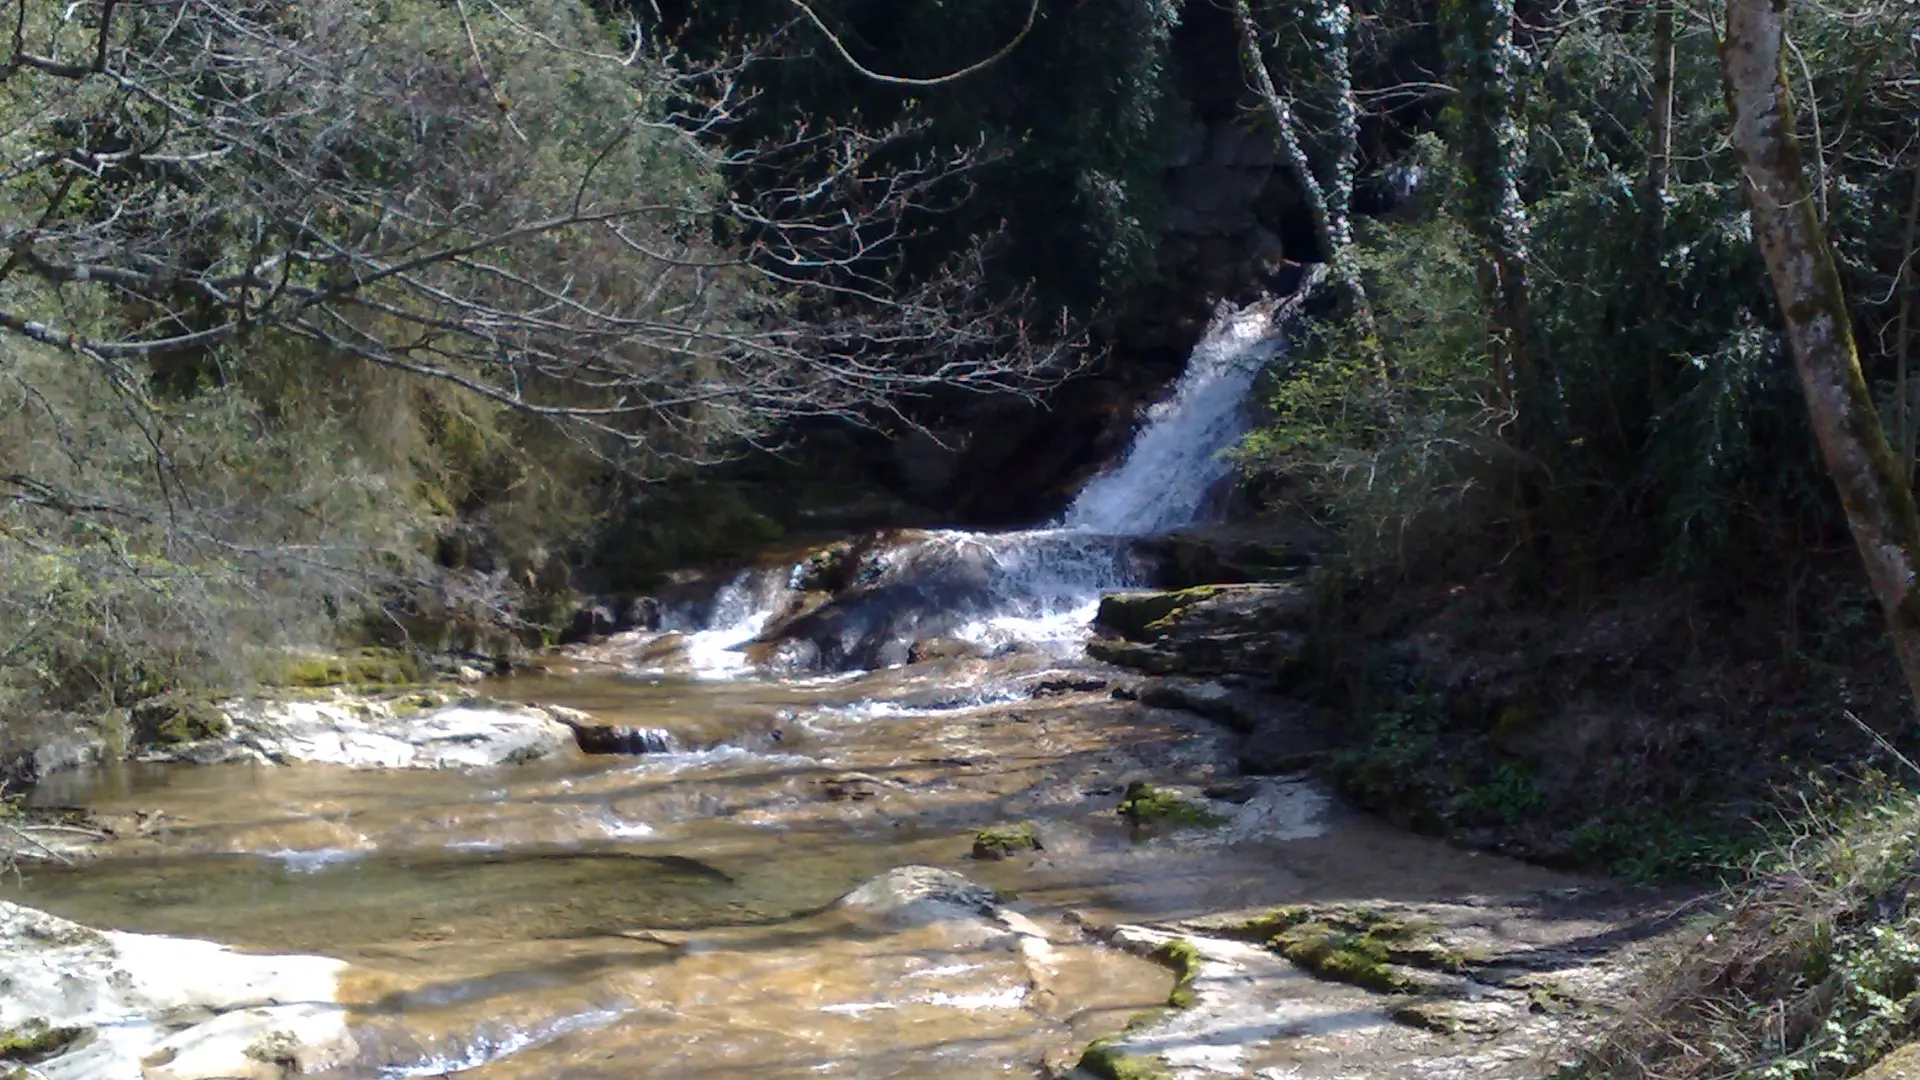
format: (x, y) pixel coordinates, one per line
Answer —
(1258, 629)
(95, 1005)
(421, 731)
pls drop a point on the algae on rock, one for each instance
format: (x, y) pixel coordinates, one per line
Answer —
(1145, 804)
(1361, 946)
(1103, 1060)
(35, 1042)
(1183, 958)
(1005, 841)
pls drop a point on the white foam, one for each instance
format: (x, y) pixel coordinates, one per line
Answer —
(310, 861)
(1013, 997)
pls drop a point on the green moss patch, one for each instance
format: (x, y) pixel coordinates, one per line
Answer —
(363, 667)
(1183, 958)
(1145, 804)
(171, 719)
(1003, 841)
(1104, 1061)
(35, 1042)
(1142, 616)
(1362, 946)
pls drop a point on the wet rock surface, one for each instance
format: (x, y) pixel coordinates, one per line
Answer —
(415, 731)
(142, 1007)
(1207, 630)
(1492, 987)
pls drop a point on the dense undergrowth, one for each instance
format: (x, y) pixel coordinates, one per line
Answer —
(1813, 970)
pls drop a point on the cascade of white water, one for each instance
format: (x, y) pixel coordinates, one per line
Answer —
(1180, 455)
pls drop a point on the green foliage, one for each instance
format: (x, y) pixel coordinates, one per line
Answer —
(1814, 972)
(167, 521)
(1399, 458)
(1680, 436)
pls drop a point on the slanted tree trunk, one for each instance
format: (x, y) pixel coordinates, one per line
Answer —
(1329, 205)
(1879, 506)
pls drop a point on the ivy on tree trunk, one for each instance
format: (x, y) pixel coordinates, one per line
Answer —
(1483, 58)
(1879, 504)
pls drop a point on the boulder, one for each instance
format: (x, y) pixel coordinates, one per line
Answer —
(1207, 630)
(941, 648)
(91, 1005)
(1241, 710)
(920, 895)
(37, 745)
(1235, 553)
(1004, 841)
(408, 732)
(176, 718)
(1152, 615)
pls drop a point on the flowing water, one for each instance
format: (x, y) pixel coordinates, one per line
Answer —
(669, 913)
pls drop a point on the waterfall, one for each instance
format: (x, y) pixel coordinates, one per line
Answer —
(1180, 455)
(1034, 587)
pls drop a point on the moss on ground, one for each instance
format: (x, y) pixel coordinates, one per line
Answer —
(1103, 1060)
(1143, 615)
(35, 1042)
(1362, 946)
(1183, 958)
(1002, 841)
(363, 667)
(1145, 804)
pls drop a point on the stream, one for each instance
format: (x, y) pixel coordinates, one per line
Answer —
(671, 913)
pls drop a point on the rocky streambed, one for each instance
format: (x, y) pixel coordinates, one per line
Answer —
(964, 867)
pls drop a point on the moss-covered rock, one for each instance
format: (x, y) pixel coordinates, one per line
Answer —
(172, 719)
(1362, 946)
(1131, 654)
(35, 1042)
(1103, 1060)
(1141, 616)
(1003, 841)
(363, 667)
(1147, 805)
(1182, 957)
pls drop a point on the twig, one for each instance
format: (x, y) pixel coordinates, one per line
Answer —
(1882, 740)
(1033, 13)
(500, 98)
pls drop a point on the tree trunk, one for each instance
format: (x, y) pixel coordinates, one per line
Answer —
(1654, 196)
(1329, 206)
(1493, 148)
(1903, 333)
(1660, 118)
(1880, 508)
